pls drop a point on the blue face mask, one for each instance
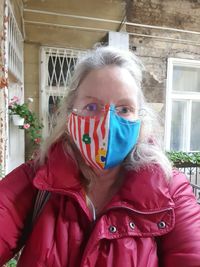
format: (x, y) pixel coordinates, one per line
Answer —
(106, 141)
(123, 136)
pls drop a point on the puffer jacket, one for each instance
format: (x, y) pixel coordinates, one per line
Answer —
(150, 222)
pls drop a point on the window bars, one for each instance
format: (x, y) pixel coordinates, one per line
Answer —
(57, 65)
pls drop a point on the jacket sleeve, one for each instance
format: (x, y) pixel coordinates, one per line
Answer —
(181, 247)
(16, 203)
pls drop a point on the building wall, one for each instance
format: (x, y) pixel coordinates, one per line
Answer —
(49, 33)
(65, 23)
(154, 51)
(182, 14)
(31, 83)
(31, 74)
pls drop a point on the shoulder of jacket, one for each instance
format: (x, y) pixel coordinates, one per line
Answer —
(25, 171)
(59, 172)
(179, 185)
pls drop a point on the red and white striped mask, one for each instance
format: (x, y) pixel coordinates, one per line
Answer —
(103, 141)
(90, 135)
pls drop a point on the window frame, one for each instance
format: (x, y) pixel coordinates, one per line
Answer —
(172, 95)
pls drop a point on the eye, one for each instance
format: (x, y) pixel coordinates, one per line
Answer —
(91, 107)
(124, 110)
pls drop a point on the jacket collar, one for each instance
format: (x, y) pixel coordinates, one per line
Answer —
(59, 173)
(145, 190)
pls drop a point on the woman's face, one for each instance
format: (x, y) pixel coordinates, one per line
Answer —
(109, 85)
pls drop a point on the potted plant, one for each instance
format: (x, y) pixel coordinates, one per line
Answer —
(17, 120)
(184, 159)
(26, 119)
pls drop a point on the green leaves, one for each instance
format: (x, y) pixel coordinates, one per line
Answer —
(11, 263)
(180, 157)
(32, 125)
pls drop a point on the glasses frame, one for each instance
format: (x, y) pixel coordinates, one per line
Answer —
(105, 108)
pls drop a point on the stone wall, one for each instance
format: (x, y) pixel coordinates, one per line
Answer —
(154, 54)
(182, 14)
(156, 45)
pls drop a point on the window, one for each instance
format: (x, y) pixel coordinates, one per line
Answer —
(15, 47)
(183, 105)
(57, 65)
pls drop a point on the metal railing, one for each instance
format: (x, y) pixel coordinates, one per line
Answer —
(192, 172)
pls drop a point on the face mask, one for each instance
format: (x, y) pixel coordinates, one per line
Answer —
(104, 142)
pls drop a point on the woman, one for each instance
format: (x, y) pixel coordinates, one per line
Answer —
(114, 199)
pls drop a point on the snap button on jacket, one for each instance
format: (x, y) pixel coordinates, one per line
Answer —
(150, 222)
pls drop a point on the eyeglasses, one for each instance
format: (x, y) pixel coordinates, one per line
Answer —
(97, 109)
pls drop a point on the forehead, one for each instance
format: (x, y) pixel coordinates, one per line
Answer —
(109, 84)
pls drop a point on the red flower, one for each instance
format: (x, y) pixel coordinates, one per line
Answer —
(37, 140)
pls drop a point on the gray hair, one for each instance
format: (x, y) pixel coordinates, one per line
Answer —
(148, 150)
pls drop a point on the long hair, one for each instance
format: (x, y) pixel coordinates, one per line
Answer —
(148, 149)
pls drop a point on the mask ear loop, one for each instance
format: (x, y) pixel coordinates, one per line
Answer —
(142, 112)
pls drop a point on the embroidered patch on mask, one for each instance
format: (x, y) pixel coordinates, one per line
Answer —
(101, 157)
(86, 139)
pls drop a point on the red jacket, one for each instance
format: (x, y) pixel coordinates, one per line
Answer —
(150, 222)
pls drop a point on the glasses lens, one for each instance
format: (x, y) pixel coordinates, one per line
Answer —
(126, 112)
(90, 110)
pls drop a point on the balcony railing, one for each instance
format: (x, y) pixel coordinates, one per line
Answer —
(192, 171)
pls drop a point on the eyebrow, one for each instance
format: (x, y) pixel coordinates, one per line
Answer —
(93, 97)
(131, 102)
(127, 100)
